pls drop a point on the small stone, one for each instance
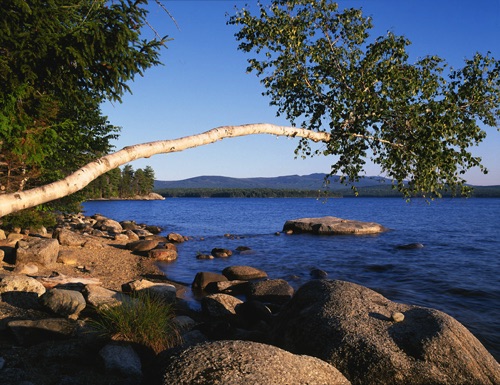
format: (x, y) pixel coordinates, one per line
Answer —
(397, 317)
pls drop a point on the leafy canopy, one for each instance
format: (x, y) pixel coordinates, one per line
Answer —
(59, 60)
(417, 121)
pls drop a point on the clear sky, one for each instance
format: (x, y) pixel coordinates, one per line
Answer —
(203, 84)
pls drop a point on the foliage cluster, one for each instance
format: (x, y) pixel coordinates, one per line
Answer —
(59, 60)
(145, 319)
(122, 183)
(417, 121)
(29, 219)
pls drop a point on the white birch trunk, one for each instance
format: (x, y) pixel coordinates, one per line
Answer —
(10, 203)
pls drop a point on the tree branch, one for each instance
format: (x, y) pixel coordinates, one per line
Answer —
(10, 203)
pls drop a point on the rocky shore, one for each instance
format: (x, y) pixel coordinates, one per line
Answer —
(248, 329)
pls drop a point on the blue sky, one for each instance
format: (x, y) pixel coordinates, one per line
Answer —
(203, 84)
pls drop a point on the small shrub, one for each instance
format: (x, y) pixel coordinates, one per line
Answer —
(29, 218)
(145, 320)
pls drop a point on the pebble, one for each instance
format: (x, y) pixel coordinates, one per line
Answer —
(397, 317)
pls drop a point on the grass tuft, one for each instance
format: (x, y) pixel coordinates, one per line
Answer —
(145, 320)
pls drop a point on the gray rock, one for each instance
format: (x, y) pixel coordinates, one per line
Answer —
(350, 327)
(109, 225)
(131, 235)
(174, 237)
(227, 287)
(243, 273)
(318, 274)
(145, 245)
(21, 283)
(203, 278)
(331, 226)
(37, 250)
(221, 253)
(26, 268)
(164, 255)
(67, 303)
(31, 332)
(220, 305)
(162, 291)
(98, 296)
(70, 238)
(270, 290)
(244, 362)
(121, 359)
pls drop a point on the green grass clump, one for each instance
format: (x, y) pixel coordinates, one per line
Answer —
(145, 320)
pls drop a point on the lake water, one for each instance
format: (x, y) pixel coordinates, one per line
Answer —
(457, 271)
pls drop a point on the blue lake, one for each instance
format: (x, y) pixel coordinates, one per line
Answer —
(457, 271)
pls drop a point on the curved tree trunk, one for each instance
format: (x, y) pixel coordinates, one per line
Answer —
(10, 203)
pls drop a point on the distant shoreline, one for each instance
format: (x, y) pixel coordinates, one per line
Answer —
(148, 197)
(363, 192)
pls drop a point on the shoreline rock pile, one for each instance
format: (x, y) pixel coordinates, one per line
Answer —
(249, 328)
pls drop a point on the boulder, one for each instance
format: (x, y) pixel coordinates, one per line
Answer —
(331, 226)
(242, 363)
(227, 287)
(270, 290)
(20, 283)
(109, 225)
(37, 250)
(163, 255)
(99, 297)
(70, 238)
(174, 237)
(318, 274)
(203, 278)
(254, 311)
(220, 305)
(243, 273)
(26, 268)
(162, 291)
(31, 332)
(66, 303)
(121, 359)
(355, 329)
(144, 245)
(221, 253)
(131, 235)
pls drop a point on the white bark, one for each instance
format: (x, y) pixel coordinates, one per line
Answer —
(10, 203)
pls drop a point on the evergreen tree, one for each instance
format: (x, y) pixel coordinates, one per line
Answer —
(59, 60)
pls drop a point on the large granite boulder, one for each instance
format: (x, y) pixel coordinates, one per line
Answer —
(244, 362)
(332, 226)
(37, 250)
(373, 340)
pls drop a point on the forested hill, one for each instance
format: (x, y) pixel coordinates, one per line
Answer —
(290, 185)
(289, 182)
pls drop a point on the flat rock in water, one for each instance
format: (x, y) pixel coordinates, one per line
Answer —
(332, 226)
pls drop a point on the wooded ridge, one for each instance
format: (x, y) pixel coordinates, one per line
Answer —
(312, 185)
